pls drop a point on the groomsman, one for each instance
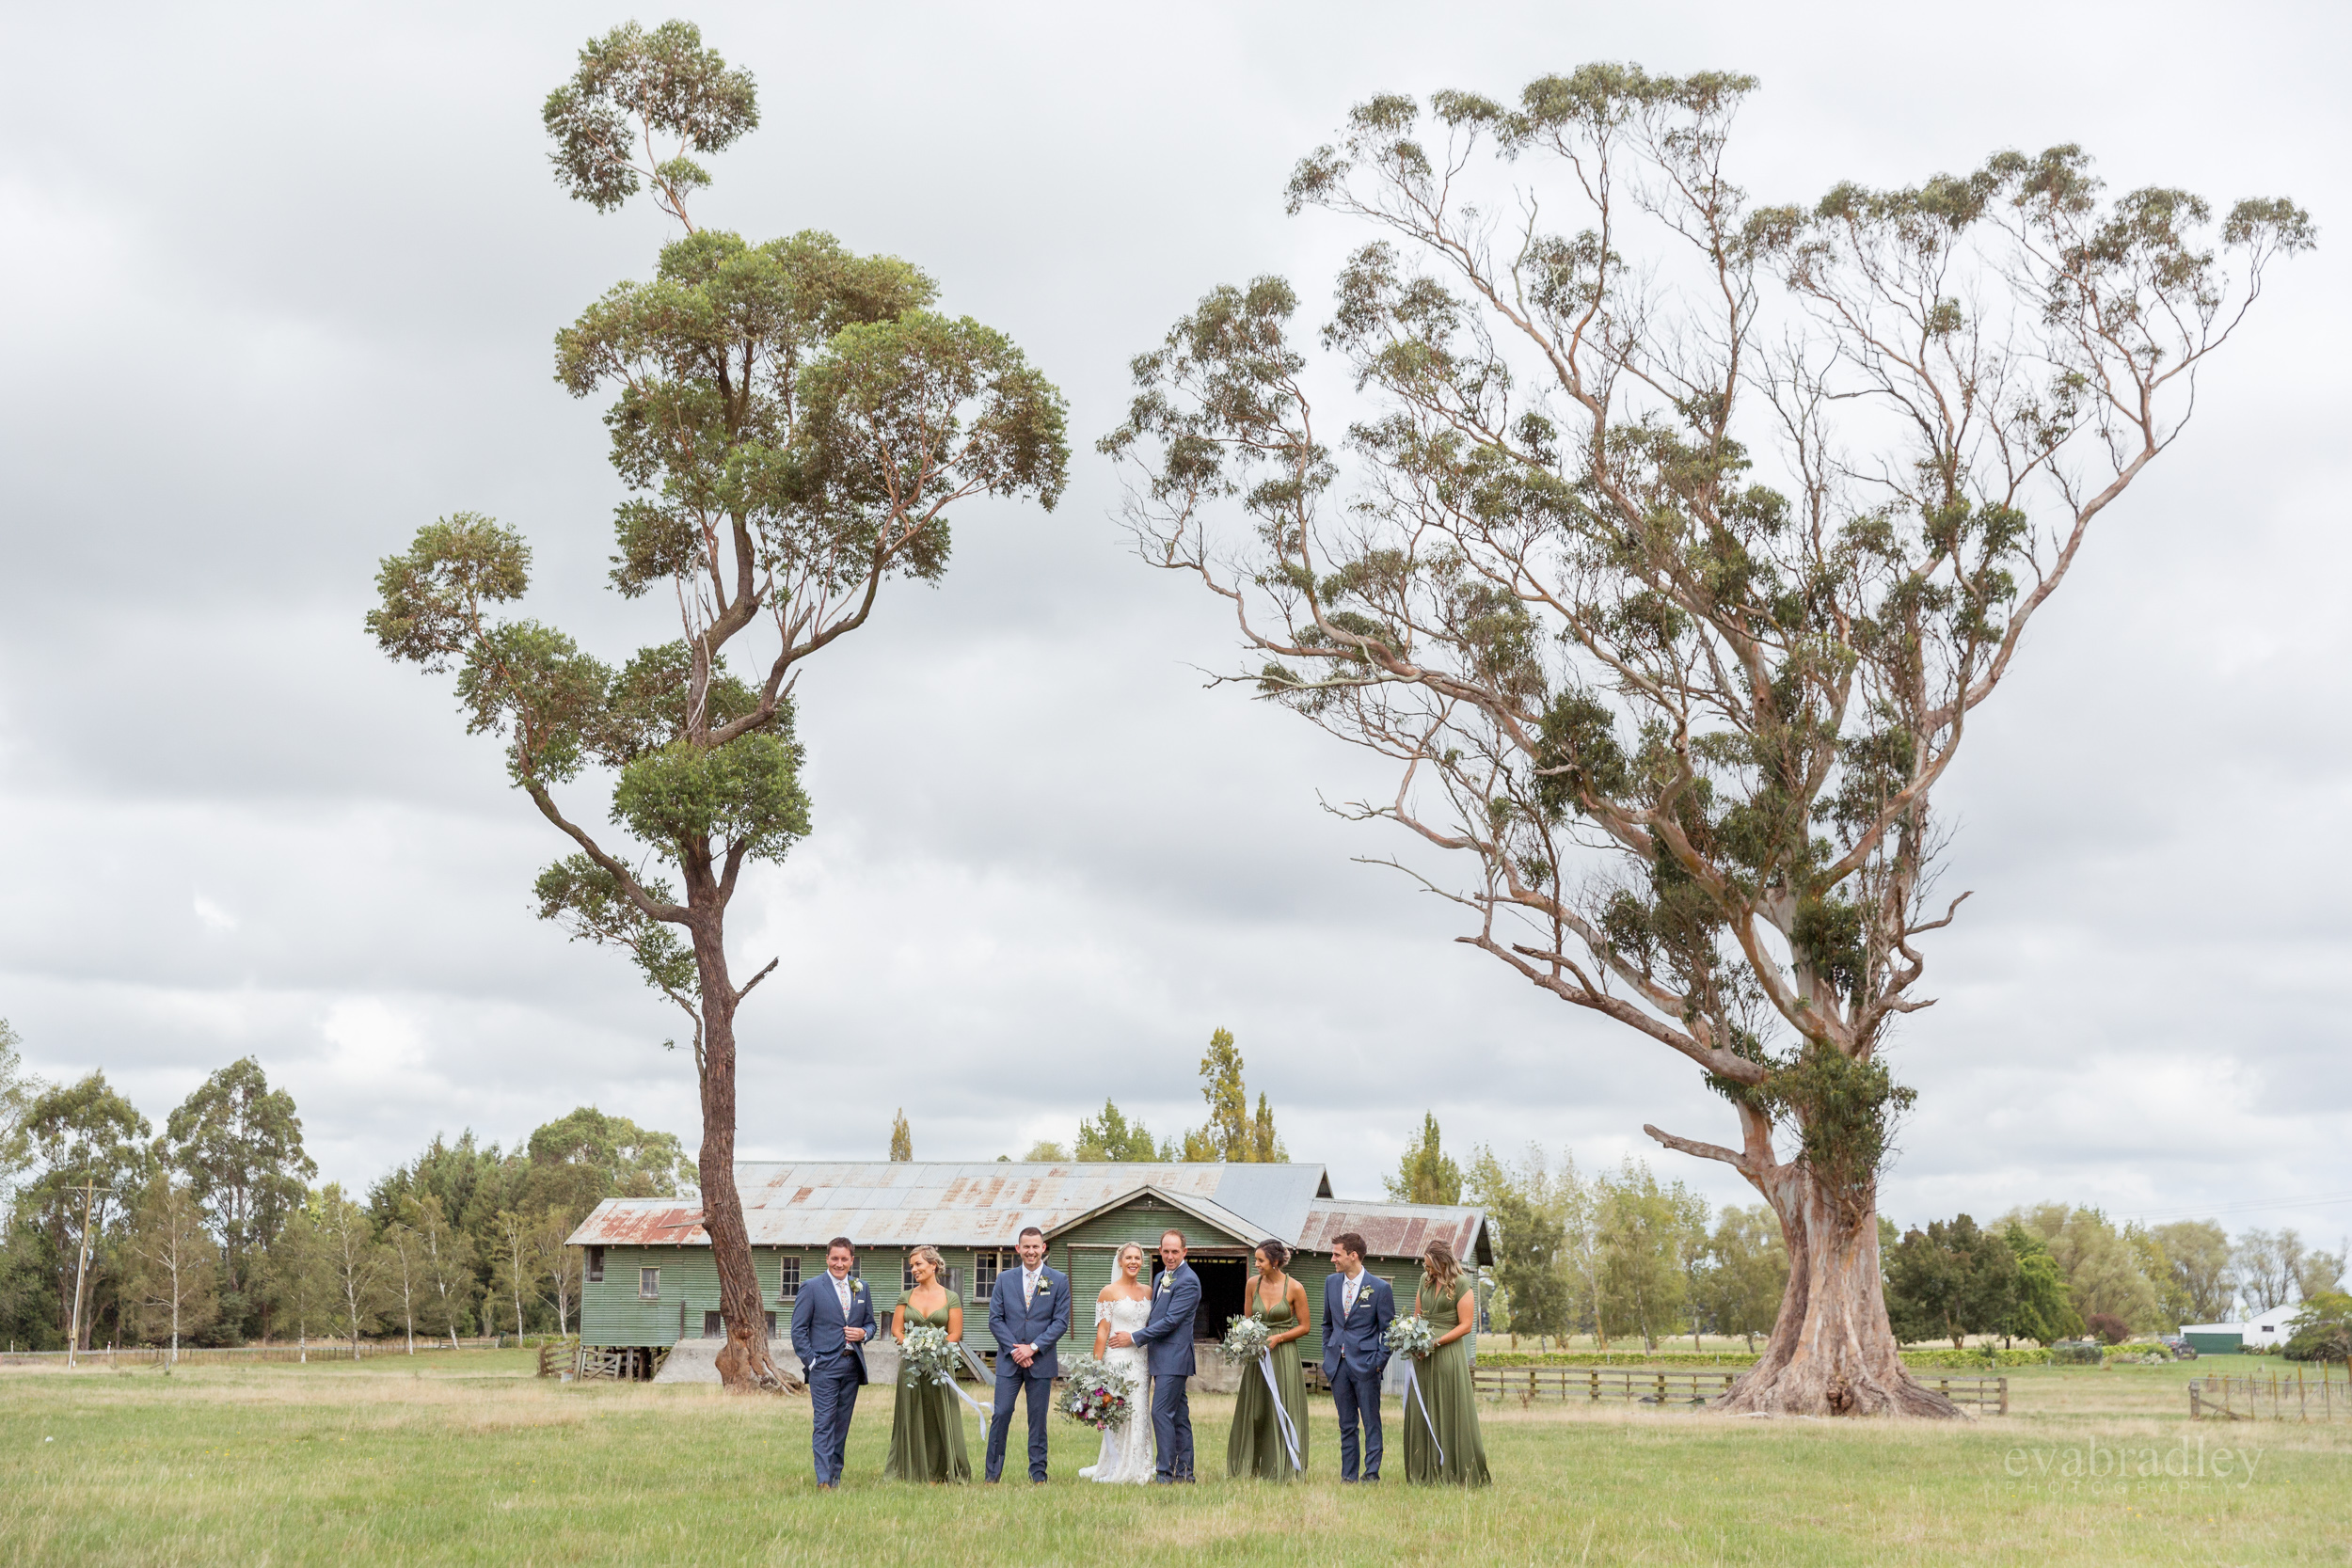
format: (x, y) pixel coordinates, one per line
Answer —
(832, 1318)
(1357, 1308)
(1028, 1312)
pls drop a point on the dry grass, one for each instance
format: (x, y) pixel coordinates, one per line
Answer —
(466, 1457)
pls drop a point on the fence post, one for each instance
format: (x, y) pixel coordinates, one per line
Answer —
(2004, 1383)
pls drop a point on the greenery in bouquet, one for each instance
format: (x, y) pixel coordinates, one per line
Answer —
(1414, 1336)
(1097, 1394)
(1245, 1340)
(931, 1354)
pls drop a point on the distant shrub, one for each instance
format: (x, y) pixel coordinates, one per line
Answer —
(2107, 1326)
(2077, 1353)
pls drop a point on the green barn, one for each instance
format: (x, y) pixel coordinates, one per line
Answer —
(649, 1282)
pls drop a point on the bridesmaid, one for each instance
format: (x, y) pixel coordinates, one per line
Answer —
(1446, 1398)
(927, 1419)
(1256, 1444)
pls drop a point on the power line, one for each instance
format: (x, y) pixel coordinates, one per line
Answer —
(2243, 1206)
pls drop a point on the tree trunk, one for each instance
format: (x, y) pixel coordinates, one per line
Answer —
(744, 1364)
(1831, 1352)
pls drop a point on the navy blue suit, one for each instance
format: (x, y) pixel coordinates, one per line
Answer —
(1040, 1320)
(1166, 1339)
(1354, 1356)
(834, 1367)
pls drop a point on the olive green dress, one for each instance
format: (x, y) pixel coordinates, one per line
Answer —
(1255, 1445)
(1446, 1394)
(927, 1421)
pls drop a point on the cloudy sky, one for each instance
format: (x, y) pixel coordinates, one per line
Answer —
(281, 283)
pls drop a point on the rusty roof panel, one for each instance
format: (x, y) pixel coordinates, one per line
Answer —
(892, 1203)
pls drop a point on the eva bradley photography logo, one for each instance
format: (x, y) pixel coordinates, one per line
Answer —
(2096, 1465)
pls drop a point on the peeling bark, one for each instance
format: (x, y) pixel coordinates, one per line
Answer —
(1832, 1351)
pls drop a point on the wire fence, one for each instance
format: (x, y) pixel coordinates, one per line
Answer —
(2312, 1392)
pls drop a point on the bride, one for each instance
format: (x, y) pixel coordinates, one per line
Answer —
(1124, 1306)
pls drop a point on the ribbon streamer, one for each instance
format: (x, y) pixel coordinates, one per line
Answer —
(1281, 1415)
(1412, 1392)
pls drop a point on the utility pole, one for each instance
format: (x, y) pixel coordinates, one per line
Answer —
(81, 1270)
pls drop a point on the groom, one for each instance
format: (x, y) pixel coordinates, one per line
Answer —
(1169, 1333)
(1357, 1308)
(1028, 1312)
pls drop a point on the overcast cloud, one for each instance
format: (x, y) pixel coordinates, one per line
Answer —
(280, 285)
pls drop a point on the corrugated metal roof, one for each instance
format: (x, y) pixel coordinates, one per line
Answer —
(1400, 1229)
(885, 1203)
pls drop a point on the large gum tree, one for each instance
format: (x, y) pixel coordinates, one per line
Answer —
(1669, 544)
(793, 423)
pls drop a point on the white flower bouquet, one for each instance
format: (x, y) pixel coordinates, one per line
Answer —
(1415, 1335)
(930, 1355)
(1245, 1340)
(1097, 1394)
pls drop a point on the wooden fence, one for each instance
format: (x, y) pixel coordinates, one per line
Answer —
(2310, 1393)
(217, 1356)
(1530, 1383)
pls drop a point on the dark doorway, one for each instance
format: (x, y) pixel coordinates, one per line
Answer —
(715, 1327)
(1222, 1282)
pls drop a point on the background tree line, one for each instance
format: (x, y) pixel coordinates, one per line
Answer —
(211, 1232)
(1617, 1253)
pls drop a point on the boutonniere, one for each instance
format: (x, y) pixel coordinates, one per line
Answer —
(1166, 1280)
(855, 1286)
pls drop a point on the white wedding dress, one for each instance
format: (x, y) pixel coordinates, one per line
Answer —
(1128, 1455)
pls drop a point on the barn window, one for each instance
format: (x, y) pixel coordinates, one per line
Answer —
(986, 1266)
(595, 1265)
(787, 1278)
(649, 1284)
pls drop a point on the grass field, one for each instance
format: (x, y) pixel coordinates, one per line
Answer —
(467, 1457)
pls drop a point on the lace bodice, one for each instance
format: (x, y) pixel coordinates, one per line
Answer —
(1125, 1317)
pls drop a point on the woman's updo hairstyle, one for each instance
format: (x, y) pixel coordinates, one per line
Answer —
(1275, 1253)
(1443, 1270)
(930, 1254)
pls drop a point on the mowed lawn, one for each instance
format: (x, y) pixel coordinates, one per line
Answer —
(467, 1457)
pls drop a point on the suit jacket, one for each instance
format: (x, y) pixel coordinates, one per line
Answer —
(1360, 1334)
(818, 1323)
(1167, 1333)
(1041, 1321)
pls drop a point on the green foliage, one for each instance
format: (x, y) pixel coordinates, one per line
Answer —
(1746, 1271)
(18, 1090)
(1232, 1133)
(2043, 1309)
(743, 797)
(1112, 1136)
(902, 1138)
(1652, 1236)
(172, 1282)
(633, 85)
(1529, 1243)
(1425, 1174)
(1949, 1281)
(239, 1143)
(2322, 1331)
(2099, 1263)
(1845, 1111)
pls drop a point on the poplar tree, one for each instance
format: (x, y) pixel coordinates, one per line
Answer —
(1668, 549)
(794, 426)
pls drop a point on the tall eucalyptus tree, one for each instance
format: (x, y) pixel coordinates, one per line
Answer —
(1685, 538)
(794, 424)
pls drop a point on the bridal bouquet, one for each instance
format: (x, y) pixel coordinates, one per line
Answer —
(1414, 1336)
(1245, 1340)
(1101, 1394)
(930, 1355)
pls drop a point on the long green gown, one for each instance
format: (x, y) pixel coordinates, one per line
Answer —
(1446, 1394)
(927, 1421)
(1255, 1445)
